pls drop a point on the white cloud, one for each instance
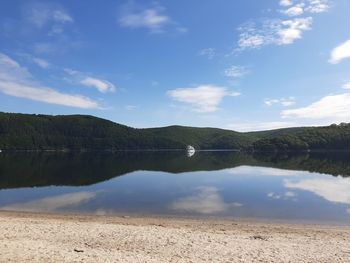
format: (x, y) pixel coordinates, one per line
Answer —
(334, 107)
(236, 71)
(296, 10)
(101, 85)
(151, 18)
(208, 52)
(259, 126)
(346, 86)
(16, 81)
(206, 200)
(51, 18)
(181, 29)
(86, 80)
(292, 29)
(44, 47)
(286, 2)
(37, 61)
(41, 14)
(248, 40)
(302, 6)
(340, 52)
(281, 31)
(317, 6)
(282, 101)
(270, 102)
(131, 107)
(234, 94)
(61, 16)
(56, 30)
(272, 32)
(204, 98)
(41, 62)
(8, 63)
(287, 102)
(51, 204)
(47, 95)
(333, 189)
(71, 72)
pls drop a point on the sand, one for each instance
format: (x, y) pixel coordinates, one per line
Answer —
(30, 237)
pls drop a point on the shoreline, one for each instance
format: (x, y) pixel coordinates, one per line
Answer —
(115, 217)
(239, 150)
(42, 237)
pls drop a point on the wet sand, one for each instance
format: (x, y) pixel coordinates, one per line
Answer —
(31, 237)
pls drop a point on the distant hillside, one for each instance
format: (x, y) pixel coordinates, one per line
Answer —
(333, 137)
(81, 132)
(203, 138)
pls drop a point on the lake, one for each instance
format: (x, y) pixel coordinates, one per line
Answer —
(311, 187)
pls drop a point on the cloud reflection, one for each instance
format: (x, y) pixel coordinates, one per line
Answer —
(264, 171)
(289, 195)
(205, 200)
(50, 204)
(333, 189)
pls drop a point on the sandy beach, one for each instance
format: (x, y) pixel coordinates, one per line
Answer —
(30, 237)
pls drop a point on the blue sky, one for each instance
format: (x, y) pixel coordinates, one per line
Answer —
(241, 65)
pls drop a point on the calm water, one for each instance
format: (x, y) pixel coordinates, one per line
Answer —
(313, 187)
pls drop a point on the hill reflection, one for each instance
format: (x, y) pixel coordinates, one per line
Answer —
(74, 169)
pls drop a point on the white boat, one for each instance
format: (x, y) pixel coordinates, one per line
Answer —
(190, 150)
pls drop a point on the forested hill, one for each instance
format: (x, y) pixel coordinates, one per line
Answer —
(333, 137)
(78, 132)
(81, 132)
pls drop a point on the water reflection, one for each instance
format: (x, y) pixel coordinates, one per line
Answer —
(44, 169)
(51, 204)
(226, 184)
(190, 153)
(264, 171)
(204, 200)
(285, 196)
(332, 189)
